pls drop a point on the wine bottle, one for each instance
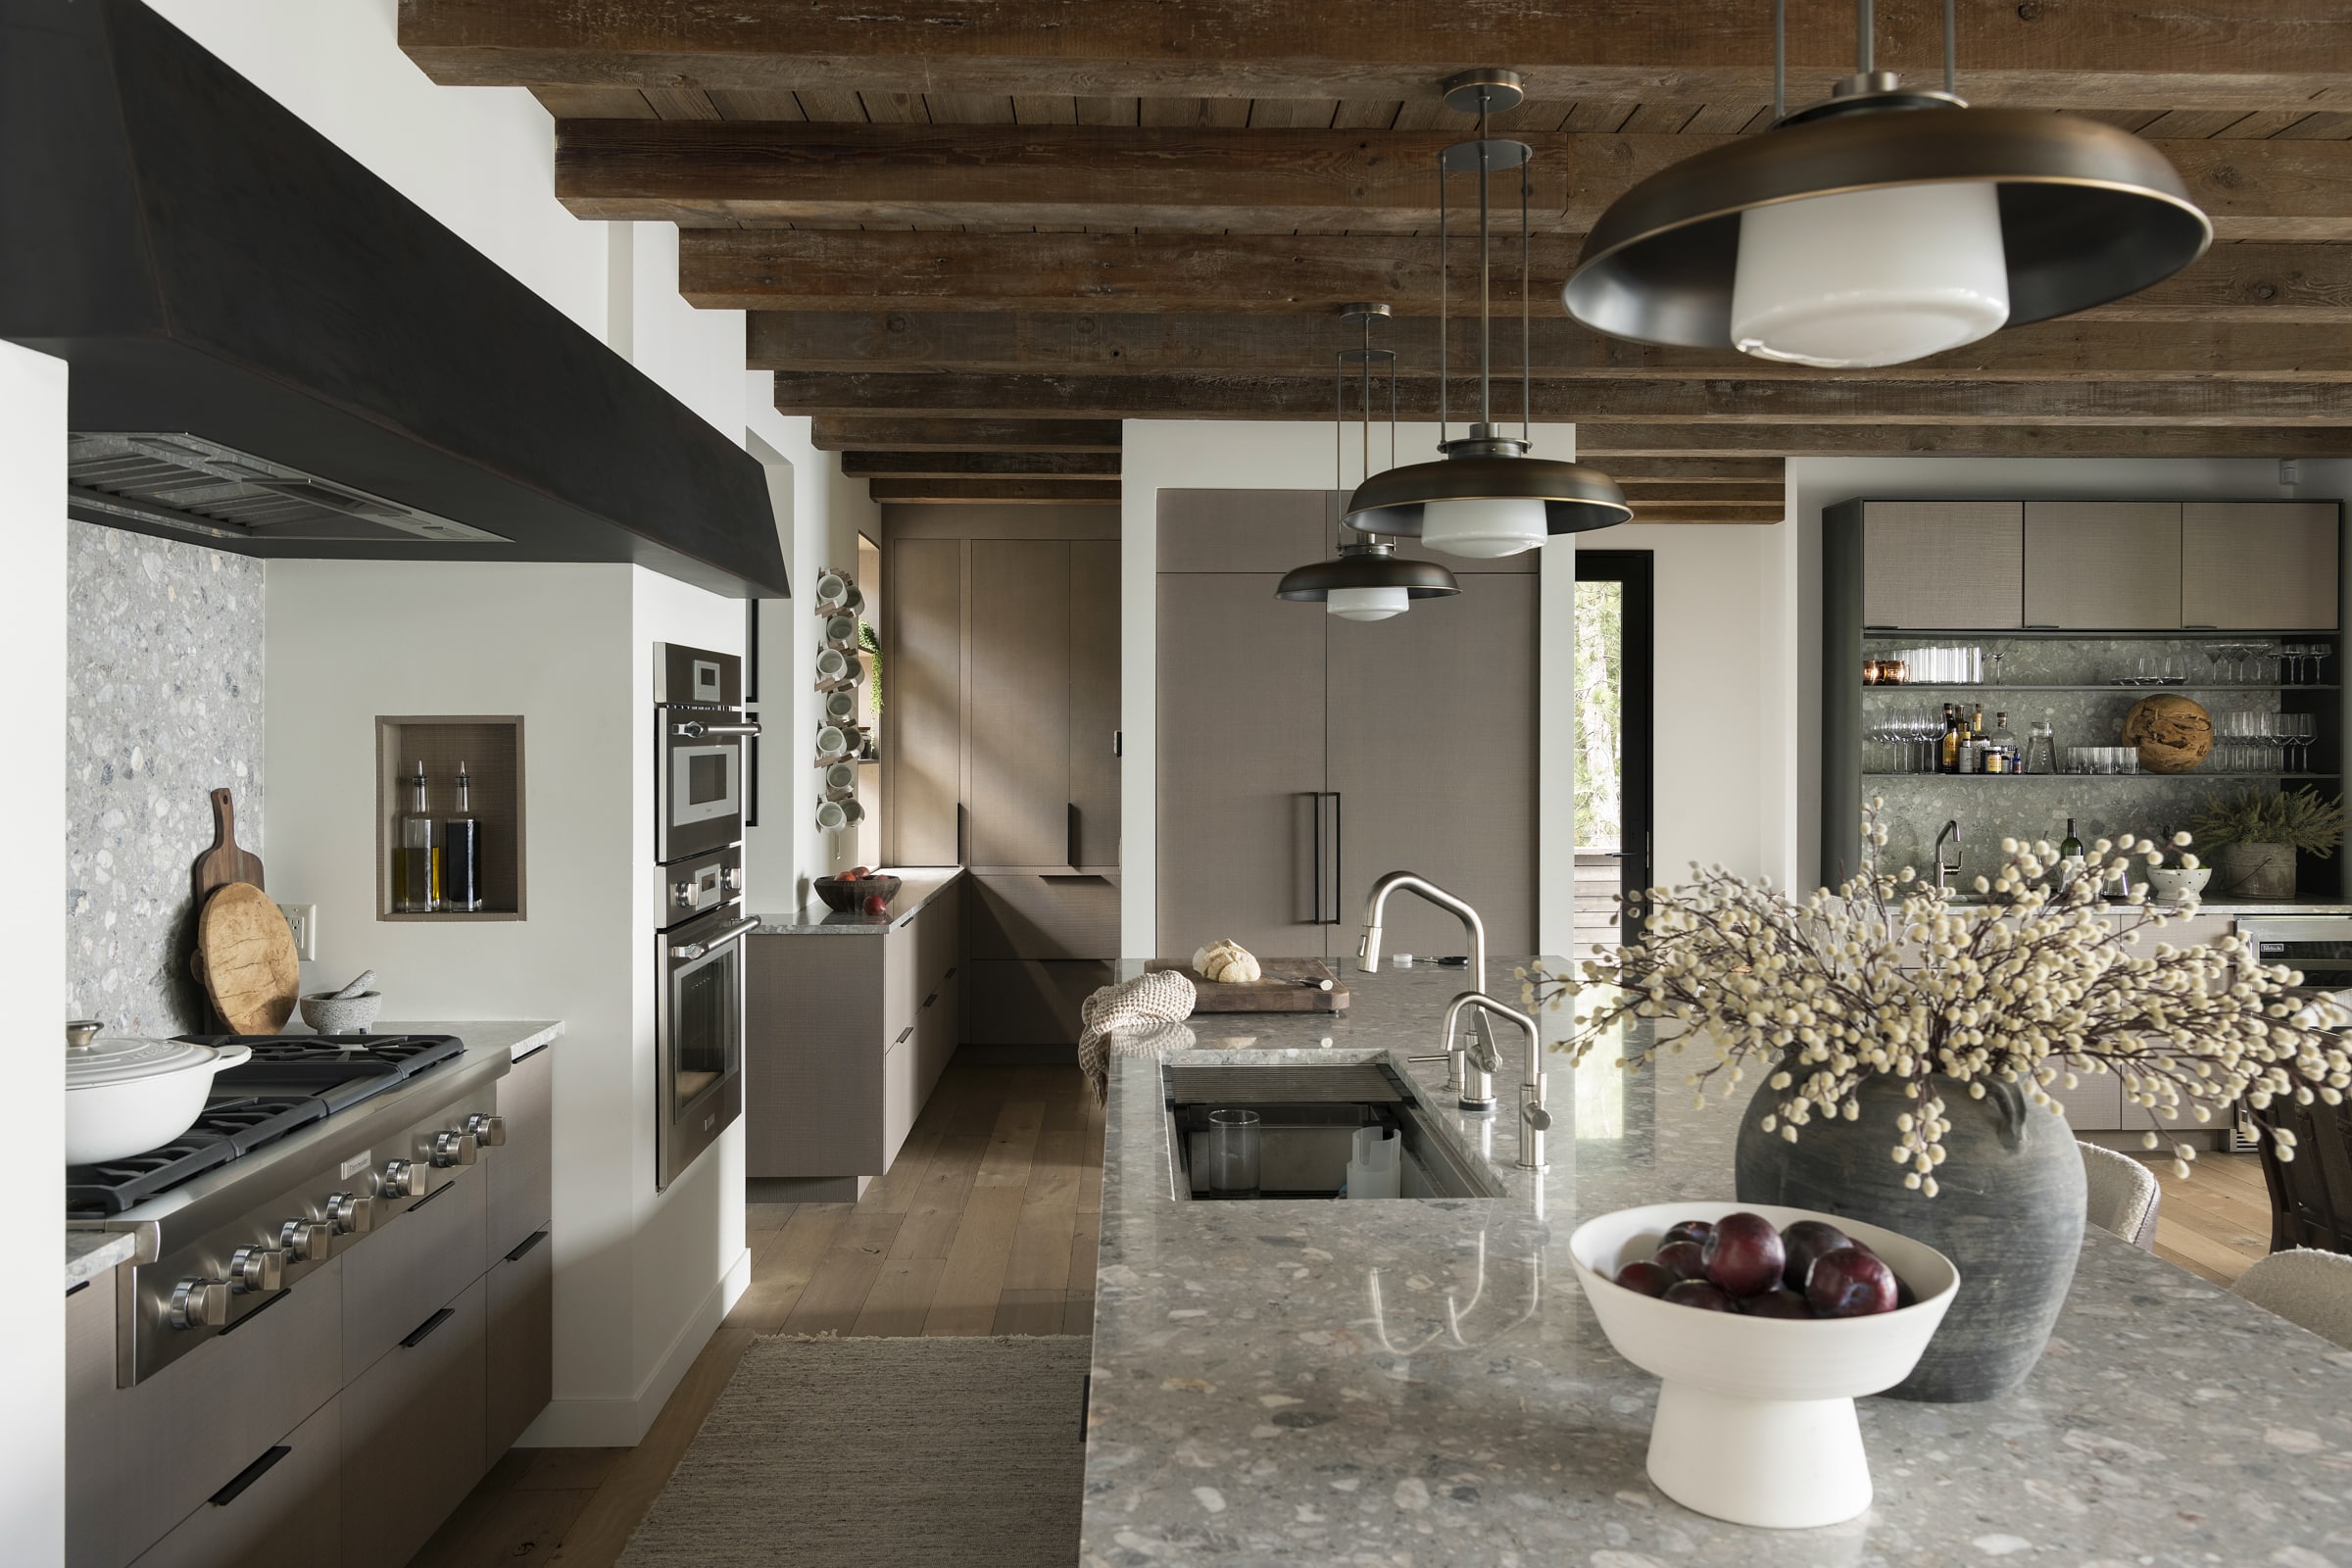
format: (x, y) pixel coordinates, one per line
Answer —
(1947, 751)
(2070, 857)
(1972, 759)
(415, 863)
(462, 852)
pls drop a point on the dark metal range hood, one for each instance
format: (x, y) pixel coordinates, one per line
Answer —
(273, 352)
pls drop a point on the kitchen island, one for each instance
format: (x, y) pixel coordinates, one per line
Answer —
(1420, 1382)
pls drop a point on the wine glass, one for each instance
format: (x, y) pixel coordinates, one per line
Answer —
(2304, 729)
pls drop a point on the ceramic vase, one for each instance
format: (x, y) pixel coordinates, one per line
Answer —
(2008, 1212)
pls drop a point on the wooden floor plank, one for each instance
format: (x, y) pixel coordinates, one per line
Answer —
(837, 1292)
(893, 1192)
(901, 1297)
(938, 1205)
(763, 1220)
(781, 1270)
(1030, 1313)
(974, 1275)
(1011, 1145)
(566, 1469)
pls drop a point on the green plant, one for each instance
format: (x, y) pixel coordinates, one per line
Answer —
(872, 644)
(2257, 816)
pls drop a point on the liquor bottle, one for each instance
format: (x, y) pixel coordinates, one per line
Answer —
(462, 852)
(2070, 857)
(1947, 750)
(1976, 743)
(415, 863)
(2001, 757)
(2042, 746)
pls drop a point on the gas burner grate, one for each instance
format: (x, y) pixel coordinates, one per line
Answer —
(232, 1125)
(307, 1059)
(249, 1121)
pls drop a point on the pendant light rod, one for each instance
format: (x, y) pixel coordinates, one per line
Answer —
(1780, 61)
(1486, 292)
(1951, 52)
(1527, 391)
(1865, 44)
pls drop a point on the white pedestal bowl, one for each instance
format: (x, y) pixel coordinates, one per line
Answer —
(1755, 1420)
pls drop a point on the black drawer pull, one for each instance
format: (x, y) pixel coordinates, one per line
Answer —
(429, 1196)
(418, 1337)
(78, 1287)
(248, 1476)
(259, 1310)
(903, 1034)
(933, 997)
(950, 975)
(526, 1244)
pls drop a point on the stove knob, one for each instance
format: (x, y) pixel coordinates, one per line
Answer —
(454, 1149)
(349, 1214)
(490, 1132)
(403, 1178)
(732, 877)
(254, 1270)
(198, 1305)
(683, 895)
(304, 1241)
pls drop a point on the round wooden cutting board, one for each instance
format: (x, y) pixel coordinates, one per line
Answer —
(245, 956)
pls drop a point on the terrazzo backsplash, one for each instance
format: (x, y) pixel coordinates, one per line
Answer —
(162, 706)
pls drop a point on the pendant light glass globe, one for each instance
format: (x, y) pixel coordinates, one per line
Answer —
(1366, 603)
(1487, 527)
(1871, 277)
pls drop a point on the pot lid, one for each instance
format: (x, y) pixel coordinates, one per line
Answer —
(127, 1059)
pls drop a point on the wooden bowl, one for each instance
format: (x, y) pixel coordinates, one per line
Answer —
(843, 895)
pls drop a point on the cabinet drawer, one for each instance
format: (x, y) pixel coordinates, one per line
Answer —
(522, 1367)
(520, 1197)
(418, 1260)
(412, 1434)
(937, 1036)
(902, 1096)
(141, 1459)
(286, 1506)
(1042, 917)
(901, 982)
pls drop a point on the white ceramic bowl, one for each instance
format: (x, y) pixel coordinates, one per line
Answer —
(1755, 1419)
(2170, 884)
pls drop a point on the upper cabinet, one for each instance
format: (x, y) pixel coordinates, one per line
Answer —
(2103, 564)
(1929, 565)
(2258, 565)
(2098, 566)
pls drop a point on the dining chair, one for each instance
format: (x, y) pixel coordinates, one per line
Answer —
(2122, 1195)
(2311, 1194)
(2305, 1287)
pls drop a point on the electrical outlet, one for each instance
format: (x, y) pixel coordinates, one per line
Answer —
(303, 920)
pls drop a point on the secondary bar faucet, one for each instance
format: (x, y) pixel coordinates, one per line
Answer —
(1470, 1068)
(1535, 1117)
(1945, 872)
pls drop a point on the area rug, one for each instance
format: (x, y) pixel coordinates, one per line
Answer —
(882, 1453)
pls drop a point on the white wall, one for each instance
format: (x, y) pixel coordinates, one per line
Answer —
(32, 938)
(1793, 740)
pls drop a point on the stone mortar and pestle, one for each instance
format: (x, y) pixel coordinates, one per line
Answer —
(348, 1011)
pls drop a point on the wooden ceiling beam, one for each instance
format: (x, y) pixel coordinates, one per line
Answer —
(980, 464)
(714, 173)
(1309, 275)
(1699, 471)
(1701, 496)
(1748, 399)
(1770, 512)
(1615, 447)
(2188, 54)
(1101, 343)
(998, 492)
(924, 433)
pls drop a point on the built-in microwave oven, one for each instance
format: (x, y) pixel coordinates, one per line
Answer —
(700, 730)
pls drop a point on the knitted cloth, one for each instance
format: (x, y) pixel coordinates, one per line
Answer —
(1162, 997)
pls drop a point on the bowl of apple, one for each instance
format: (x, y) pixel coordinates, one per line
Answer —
(1764, 1324)
(862, 891)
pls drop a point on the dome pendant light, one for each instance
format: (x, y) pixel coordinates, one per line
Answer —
(1487, 497)
(1365, 581)
(1885, 225)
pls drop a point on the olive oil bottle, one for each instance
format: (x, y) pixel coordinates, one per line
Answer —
(416, 861)
(462, 853)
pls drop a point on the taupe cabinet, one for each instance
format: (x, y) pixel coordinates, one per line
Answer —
(1302, 756)
(2100, 566)
(850, 1033)
(391, 1379)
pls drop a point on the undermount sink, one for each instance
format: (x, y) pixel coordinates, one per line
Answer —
(1308, 1115)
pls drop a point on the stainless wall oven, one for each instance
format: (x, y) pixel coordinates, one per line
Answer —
(699, 729)
(699, 735)
(2319, 945)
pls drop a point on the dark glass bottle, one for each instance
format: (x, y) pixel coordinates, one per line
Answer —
(462, 852)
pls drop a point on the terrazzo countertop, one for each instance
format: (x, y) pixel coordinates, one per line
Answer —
(93, 1252)
(922, 884)
(1279, 1381)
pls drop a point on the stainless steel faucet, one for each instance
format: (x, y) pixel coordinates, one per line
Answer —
(1947, 870)
(1470, 1068)
(1535, 1117)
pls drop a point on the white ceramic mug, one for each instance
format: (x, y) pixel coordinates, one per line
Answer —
(834, 663)
(841, 631)
(834, 741)
(841, 705)
(833, 589)
(841, 780)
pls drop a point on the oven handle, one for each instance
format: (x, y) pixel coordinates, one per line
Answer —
(694, 729)
(689, 951)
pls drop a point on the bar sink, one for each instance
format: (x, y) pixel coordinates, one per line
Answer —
(1308, 1115)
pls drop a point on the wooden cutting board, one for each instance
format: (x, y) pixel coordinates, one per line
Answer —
(1283, 989)
(226, 861)
(245, 956)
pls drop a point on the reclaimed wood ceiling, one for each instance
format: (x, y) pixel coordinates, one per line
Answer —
(973, 234)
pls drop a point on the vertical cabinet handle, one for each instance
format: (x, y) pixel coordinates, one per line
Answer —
(1335, 833)
(1339, 857)
(1314, 834)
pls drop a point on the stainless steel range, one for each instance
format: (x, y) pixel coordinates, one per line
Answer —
(303, 1152)
(699, 732)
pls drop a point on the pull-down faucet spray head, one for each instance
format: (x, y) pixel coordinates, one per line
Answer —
(1367, 948)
